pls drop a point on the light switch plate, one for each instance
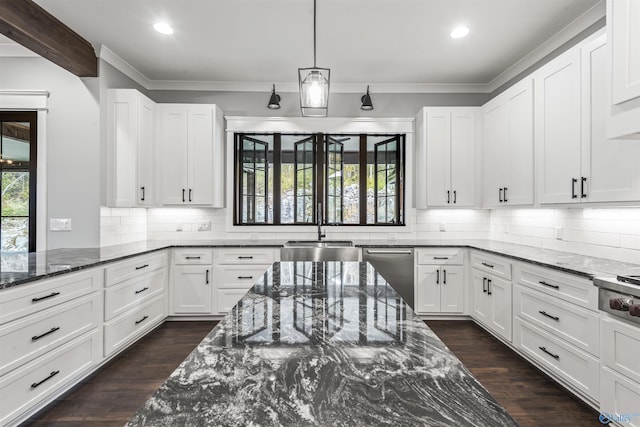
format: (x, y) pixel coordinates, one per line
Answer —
(60, 224)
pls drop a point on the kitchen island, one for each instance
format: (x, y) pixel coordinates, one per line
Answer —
(321, 344)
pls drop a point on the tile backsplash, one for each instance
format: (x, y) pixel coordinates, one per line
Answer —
(607, 232)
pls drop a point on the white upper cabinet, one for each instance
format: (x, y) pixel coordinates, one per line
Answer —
(449, 137)
(623, 33)
(577, 162)
(507, 122)
(192, 144)
(130, 149)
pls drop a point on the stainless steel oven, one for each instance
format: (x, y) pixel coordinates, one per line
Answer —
(620, 296)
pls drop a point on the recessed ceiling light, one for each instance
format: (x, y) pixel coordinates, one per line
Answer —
(459, 32)
(163, 27)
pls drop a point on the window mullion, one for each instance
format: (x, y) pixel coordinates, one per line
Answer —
(363, 179)
(277, 176)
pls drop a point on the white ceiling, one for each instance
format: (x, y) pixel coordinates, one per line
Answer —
(362, 41)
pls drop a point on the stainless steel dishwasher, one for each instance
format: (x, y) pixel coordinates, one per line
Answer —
(396, 266)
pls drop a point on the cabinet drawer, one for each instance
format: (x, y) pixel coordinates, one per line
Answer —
(567, 321)
(574, 366)
(26, 386)
(440, 256)
(27, 299)
(192, 256)
(32, 336)
(116, 273)
(497, 266)
(619, 396)
(246, 256)
(126, 295)
(240, 276)
(129, 326)
(620, 347)
(567, 287)
(228, 298)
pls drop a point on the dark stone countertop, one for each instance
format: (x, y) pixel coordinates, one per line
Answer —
(40, 265)
(321, 344)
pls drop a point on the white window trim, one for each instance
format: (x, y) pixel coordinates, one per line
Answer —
(34, 100)
(338, 125)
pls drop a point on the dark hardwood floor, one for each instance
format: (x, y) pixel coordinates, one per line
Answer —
(112, 395)
(529, 396)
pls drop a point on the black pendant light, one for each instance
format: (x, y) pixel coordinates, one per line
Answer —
(274, 100)
(367, 105)
(314, 84)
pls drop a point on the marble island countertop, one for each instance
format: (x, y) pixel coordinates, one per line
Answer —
(321, 344)
(16, 269)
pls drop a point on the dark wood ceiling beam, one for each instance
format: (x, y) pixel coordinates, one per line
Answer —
(33, 27)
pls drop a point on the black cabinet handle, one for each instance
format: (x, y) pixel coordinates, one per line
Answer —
(555, 356)
(505, 194)
(192, 257)
(437, 276)
(206, 277)
(183, 191)
(245, 257)
(52, 330)
(51, 375)
(488, 286)
(440, 257)
(484, 285)
(448, 196)
(141, 320)
(142, 290)
(573, 188)
(245, 277)
(542, 282)
(142, 198)
(189, 194)
(500, 195)
(487, 265)
(455, 196)
(544, 313)
(582, 182)
(444, 277)
(51, 295)
(142, 266)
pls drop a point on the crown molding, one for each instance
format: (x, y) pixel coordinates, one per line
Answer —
(123, 66)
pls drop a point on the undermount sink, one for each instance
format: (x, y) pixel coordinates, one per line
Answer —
(318, 244)
(318, 251)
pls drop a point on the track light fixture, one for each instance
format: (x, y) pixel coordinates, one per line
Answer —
(274, 100)
(367, 105)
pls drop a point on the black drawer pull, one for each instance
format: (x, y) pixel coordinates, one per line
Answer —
(189, 194)
(542, 282)
(245, 277)
(51, 375)
(440, 257)
(448, 196)
(488, 286)
(142, 266)
(505, 195)
(206, 280)
(544, 313)
(487, 265)
(142, 198)
(51, 295)
(437, 277)
(484, 285)
(142, 320)
(500, 195)
(142, 290)
(245, 257)
(582, 193)
(192, 257)
(455, 196)
(573, 188)
(37, 337)
(183, 196)
(555, 356)
(444, 277)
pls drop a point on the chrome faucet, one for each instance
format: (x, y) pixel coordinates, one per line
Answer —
(319, 218)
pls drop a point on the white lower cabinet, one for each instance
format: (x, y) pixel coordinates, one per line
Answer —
(619, 398)
(440, 289)
(491, 302)
(192, 289)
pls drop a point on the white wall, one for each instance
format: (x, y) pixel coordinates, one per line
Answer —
(73, 146)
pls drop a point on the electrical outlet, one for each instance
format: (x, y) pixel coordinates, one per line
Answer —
(178, 227)
(60, 224)
(204, 226)
(443, 226)
(558, 233)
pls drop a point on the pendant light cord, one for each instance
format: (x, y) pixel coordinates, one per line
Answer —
(314, 33)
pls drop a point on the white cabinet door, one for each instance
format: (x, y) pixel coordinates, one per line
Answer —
(428, 289)
(494, 139)
(452, 289)
(624, 18)
(619, 395)
(610, 165)
(499, 292)
(192, 289)
(438, 157)
(174, 145)
(200, 169)
(519, 144)
(558, 129)
(480, 304)
(463, 157)
(146, 155)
